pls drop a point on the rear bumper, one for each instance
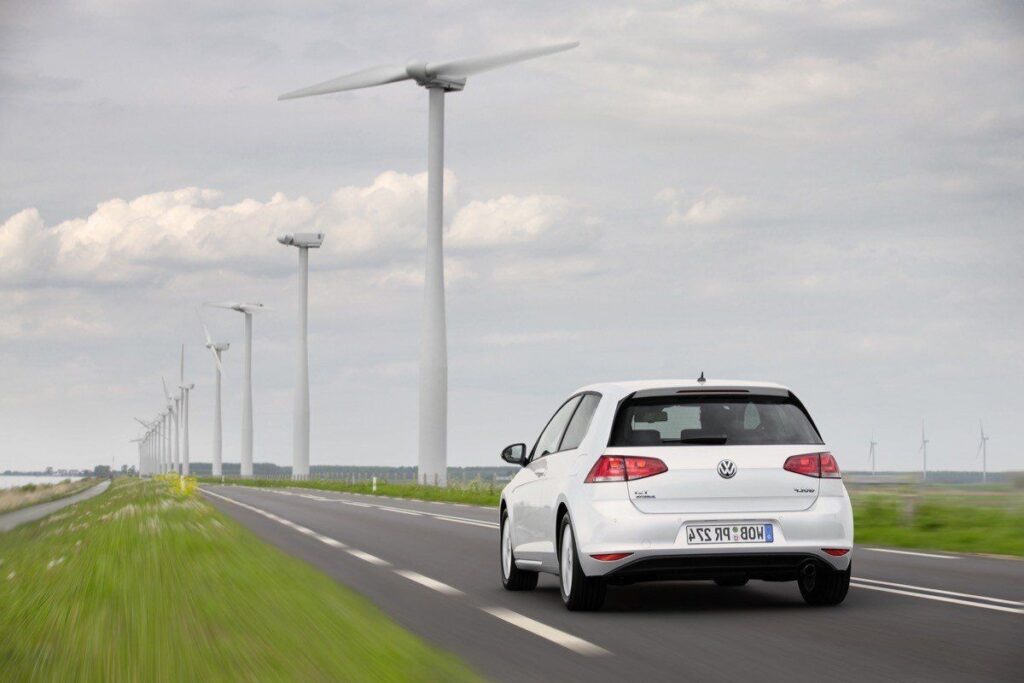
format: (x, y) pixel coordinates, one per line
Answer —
(657, 542)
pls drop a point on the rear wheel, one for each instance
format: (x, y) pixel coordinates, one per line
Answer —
(512, 577)
(732, 582)
(825, 586)
(579, 591)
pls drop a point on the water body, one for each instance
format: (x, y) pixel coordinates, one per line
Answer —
(9, 481)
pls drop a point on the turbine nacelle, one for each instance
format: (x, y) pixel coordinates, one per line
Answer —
(308, 240)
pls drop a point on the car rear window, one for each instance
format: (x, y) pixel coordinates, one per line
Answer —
(750, 420)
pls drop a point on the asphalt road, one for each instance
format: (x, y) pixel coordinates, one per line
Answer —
(433, 567)
(16, 518)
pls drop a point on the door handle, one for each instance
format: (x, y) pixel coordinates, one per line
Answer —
(541, 473)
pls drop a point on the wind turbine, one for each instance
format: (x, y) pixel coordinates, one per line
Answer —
(871, 453)
(438, 78)
(246, 309)
(300, 425)
(216, 349)
(174, 406)
(184, 388)
(924, 456)
(983, 448)
(147, 442)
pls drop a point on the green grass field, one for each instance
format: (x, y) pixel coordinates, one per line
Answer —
(953, 518)
(968, 519)
(469, 493)
(144, 583)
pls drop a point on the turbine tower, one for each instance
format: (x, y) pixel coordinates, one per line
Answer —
(924, 456)
(871, 453)
(246, 309)
(300, 425)
(216, 349)
(983, 447)
(174, 406)
(438, 78)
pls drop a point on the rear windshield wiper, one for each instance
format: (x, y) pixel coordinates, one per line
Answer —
(710, 440)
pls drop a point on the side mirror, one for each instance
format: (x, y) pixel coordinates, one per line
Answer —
(515, 454)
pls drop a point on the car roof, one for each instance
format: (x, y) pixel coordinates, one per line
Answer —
(624, 388)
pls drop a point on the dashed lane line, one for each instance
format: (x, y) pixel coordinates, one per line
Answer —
(550, 633)
(559, 637)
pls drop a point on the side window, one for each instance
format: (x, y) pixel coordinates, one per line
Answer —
(552, 434)
(580, 422)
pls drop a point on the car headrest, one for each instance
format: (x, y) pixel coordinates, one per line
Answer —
(644, 437)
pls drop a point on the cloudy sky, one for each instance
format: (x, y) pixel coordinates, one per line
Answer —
(827, 195)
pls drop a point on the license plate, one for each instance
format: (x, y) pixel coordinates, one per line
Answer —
(697, 534)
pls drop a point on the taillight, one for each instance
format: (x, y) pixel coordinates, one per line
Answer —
(820, 465)
(836, 552)
(624, 468)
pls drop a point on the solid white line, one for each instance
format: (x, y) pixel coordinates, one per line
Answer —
(367, 557)
(433, 584)
(936, 590)
(911, 552)
(401, 511)
(939, 598)
(566, 640)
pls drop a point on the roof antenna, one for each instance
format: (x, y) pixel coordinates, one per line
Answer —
(701, 379)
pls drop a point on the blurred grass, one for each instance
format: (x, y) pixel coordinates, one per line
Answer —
(471, 493)
(970, 519)
(146, 583)
(33, 494)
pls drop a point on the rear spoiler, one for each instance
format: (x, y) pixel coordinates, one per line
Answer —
(691, 391)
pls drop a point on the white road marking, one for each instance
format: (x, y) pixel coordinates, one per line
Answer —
(566, 640)
(936, 590)
(911, 552)
(939, 598)
(433, 584)
(400, 511)
(367, 557)
(329, 541)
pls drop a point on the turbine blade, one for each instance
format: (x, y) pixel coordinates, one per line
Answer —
(182, 371)
(461, 68)
(216, 359)
(367, 78)
(209, 340)
(165, 390)
(222, 304)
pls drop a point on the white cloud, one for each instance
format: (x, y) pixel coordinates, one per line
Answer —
(159, 235)
(711, 207)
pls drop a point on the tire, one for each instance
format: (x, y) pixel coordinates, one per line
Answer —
(579, 592)
(512, 577)
(732, 582)
(825, 587)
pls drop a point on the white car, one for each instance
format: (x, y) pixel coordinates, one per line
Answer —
(663, 480)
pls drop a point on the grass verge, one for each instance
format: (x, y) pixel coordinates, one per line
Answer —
(954, 519)
(470, 493)
(34, 494)
(146, 583)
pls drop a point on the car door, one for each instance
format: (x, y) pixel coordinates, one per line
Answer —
(532, 497)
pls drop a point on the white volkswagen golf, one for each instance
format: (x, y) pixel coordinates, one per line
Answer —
(663, 480)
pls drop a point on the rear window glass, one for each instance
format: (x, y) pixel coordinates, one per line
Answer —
(746, 420)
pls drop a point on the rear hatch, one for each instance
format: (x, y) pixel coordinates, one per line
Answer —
(724, 449)
(693, 484)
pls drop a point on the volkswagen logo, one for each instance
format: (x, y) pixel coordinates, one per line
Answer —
(727, 469)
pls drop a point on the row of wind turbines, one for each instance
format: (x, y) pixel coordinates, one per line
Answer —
(165, 445)
(923, 450)
(160, 447)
